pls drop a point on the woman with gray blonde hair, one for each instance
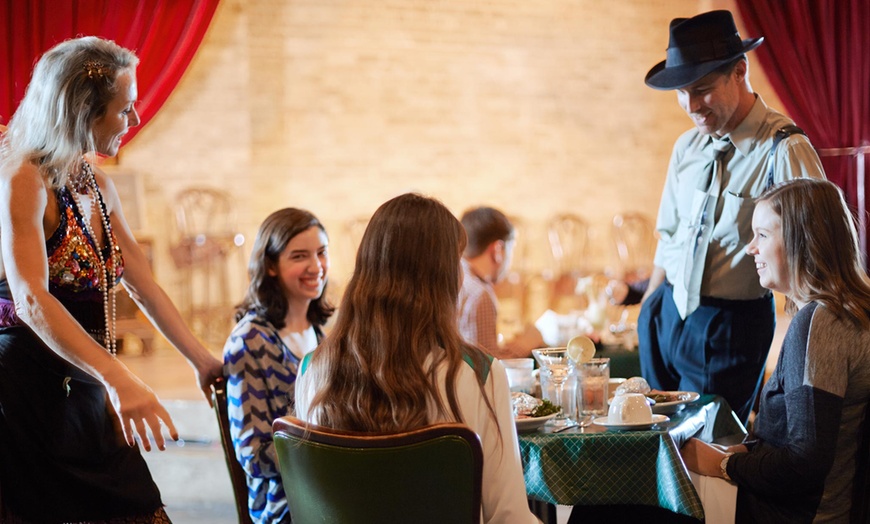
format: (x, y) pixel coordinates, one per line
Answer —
(799, 462)
(70, 411)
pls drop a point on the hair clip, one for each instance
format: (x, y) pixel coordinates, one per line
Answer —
(95, 69)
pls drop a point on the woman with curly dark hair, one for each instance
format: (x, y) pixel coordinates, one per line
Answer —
(279, 322)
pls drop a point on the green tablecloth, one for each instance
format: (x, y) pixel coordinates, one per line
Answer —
(601, 467)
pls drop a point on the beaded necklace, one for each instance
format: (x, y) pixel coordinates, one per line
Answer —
(85, 183)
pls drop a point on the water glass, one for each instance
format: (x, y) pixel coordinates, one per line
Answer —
(568, 398)
(556, 369)
(593, 377)
(519, 374)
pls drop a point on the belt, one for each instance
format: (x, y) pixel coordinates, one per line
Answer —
(729, 303)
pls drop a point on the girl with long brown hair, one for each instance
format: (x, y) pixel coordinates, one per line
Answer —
(395, 360)
(799, 462)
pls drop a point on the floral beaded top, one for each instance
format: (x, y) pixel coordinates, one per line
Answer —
(73, 263)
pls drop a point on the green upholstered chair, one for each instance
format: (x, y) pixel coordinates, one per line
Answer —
(238, 478)
(429, 475)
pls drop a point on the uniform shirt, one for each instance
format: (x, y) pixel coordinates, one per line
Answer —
(478, 310)
(728, 272)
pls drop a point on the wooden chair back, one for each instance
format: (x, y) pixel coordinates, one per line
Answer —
(238, 478)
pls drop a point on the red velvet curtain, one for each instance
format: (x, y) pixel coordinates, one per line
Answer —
(165, 34)
(816, 55)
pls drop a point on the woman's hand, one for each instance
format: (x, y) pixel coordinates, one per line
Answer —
(702, 458)
(137, 407)
(207, 373)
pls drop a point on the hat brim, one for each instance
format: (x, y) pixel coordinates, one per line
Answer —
(664, 78)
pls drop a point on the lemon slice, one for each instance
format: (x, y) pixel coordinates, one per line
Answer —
(581, 349)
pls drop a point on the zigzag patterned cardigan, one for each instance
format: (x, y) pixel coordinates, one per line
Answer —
(261, 377)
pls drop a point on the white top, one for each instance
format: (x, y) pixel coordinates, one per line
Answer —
(300, 343)
(504, 492)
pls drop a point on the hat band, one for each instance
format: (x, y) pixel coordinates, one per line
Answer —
(704, 51)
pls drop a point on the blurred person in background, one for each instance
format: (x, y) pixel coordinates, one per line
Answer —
(485, 262)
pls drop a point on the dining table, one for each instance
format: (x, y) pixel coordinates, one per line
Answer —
(594, 467)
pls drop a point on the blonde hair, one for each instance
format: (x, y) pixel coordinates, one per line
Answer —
(377, 369)
(821, 247)
(71, 86)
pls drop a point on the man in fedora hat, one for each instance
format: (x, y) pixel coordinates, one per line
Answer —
(706, 323)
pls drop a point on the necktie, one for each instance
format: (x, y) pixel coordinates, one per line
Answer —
(687, 288)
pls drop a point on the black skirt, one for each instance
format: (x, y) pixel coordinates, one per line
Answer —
(62, 455)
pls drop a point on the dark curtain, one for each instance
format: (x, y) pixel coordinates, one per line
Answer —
(165, 34)
(816, 55)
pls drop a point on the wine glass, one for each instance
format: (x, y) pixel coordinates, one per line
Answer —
(558, 367)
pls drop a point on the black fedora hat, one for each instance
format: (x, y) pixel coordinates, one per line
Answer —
(697, 46)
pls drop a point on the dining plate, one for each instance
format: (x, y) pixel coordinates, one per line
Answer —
(683, 398)
(604, 421)
(533, 423)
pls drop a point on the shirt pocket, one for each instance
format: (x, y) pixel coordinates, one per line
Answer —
(734, 227)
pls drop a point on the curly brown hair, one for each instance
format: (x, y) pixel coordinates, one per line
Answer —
(264, 295)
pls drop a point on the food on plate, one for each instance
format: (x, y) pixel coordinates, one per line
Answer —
(546, 408)
(634, 385)
(523, 404)
(665, 396)
(527, 406)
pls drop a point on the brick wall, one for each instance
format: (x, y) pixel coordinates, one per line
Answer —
(536, 107)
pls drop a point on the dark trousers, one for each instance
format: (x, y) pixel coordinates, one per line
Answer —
(720, 348)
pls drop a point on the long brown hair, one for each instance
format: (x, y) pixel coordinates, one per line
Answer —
(264, 295)
(398, 311)
(821, 247)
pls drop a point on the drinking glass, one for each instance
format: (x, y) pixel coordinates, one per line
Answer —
(519, 374)
(557, 367)
(594, 378)
(568, 402)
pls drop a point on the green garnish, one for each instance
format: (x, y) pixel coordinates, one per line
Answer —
(546, 408)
